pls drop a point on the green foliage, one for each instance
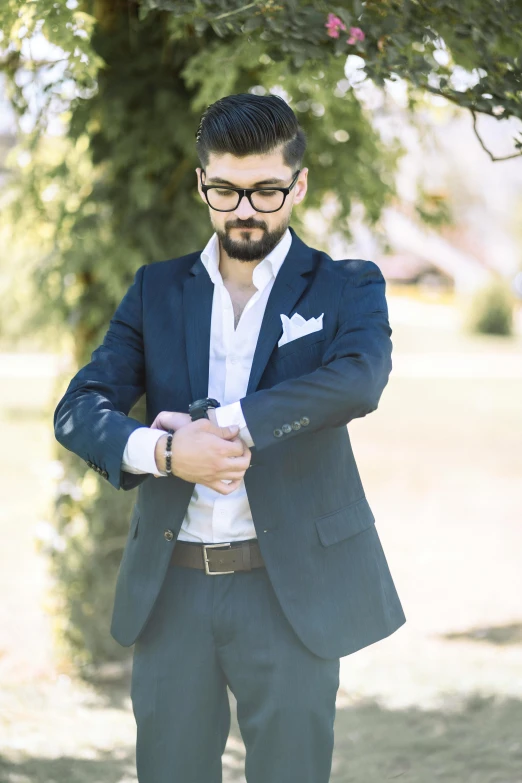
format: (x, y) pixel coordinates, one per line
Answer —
(434, 209)
(130, 81)
(420, 42)
(116, 192)
(491, 310)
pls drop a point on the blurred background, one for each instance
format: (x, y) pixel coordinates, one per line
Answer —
(414, 157)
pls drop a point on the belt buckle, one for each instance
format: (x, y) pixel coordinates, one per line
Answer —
(205, 558)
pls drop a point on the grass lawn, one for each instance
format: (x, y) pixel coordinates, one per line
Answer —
(441, 699)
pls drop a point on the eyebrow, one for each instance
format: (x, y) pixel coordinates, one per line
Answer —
(273, 181)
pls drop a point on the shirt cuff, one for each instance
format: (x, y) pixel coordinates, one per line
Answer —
(227, 415)
(138, 456)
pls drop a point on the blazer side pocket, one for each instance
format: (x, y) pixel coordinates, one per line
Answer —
(345, 522)
(135, 519)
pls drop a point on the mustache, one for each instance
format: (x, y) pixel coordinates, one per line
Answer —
(246, 225)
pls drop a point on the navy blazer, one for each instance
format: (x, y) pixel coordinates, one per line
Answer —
(315, 527)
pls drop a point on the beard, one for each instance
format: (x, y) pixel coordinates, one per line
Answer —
(247, 249)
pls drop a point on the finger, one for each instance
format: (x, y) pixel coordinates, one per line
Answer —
(235, 463)
(233, 448)
(224, 489)
(227, 433)
(231, 475)
(169, 420)
(156, 424)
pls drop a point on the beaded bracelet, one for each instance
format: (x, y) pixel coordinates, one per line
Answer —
(168, 452)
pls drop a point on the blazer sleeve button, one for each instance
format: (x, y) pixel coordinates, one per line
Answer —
(105, 474)
(305, 421)
(286, 428)
(296, 425)
(278, 433)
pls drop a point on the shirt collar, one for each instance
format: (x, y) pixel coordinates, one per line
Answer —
(267, 268)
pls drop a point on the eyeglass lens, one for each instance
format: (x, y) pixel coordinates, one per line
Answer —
(263, 201)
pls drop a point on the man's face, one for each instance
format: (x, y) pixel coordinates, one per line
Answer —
(245, 234)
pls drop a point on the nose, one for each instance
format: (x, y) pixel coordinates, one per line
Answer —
(244, 209)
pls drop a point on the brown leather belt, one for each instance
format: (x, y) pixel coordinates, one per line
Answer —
(222, 558)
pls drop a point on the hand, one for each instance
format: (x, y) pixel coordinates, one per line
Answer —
(204, 453)
(170, 420)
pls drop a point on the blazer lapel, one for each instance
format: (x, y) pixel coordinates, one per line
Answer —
(198, 291)
(288, 287)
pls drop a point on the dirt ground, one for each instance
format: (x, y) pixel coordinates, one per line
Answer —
(441, 699)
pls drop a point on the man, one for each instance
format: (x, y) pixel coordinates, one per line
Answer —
(254, 562)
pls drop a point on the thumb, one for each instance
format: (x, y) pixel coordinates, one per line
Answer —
(229, 432)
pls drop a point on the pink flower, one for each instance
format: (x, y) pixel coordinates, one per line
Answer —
(333, 25)
(356, 34)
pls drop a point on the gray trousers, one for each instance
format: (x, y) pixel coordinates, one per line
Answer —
(207, 632)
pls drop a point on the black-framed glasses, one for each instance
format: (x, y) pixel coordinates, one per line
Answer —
(224, 198)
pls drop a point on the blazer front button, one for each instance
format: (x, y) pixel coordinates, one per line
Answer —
(169, 535)
(286, 428)
(305, 421)
(296, 425)
(278, 433)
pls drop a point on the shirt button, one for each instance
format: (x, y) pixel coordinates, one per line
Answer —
(286, 428)
(296, 425)
(278, 433)
(233, 359)
(305, 421)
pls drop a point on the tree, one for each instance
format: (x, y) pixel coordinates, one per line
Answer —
(131, 80)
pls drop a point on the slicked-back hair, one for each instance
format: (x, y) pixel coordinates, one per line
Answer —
(246, 124)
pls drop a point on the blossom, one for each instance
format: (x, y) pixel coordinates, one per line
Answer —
(356, 34)
(333, 25)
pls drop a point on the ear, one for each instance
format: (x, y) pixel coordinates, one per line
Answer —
(301, 186)
(198, 180)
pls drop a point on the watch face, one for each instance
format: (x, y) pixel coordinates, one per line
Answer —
(205, 403)
(198, 403)
(198, 408)
(198, 413)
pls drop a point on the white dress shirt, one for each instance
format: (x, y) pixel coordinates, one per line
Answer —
(212, 517)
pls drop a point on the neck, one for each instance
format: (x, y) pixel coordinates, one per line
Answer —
(235, 272)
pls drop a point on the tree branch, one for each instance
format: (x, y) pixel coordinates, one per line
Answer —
(235, 11)
(454, 100)
(29, 64)
(493, 157)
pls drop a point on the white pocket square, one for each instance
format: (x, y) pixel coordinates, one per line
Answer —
(297, 326)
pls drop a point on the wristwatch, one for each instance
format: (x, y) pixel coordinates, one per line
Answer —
(198, 409)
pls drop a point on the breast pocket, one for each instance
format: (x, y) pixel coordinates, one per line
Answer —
(300, 342)
(345, 522)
